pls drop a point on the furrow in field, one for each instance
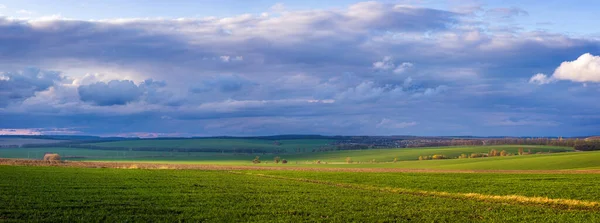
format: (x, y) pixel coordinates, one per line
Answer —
(568, 204)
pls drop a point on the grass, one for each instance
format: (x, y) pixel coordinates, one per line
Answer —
(226, 144)
(361, 158)
(59, 194)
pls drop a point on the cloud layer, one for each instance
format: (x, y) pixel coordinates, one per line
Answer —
(369, 68)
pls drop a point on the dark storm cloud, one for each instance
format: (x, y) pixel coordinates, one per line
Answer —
(18, 86)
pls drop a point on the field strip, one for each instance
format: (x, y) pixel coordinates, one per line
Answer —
(558, 203)
(324, 168)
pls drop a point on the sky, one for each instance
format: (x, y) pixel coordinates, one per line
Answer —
(245, 68)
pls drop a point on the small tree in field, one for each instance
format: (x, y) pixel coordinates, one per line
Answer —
(395, 159)
(493, 152)
(463, 156)
(277, 159)
(256, 160)
(520, 151)
(503, 153)
(284, 162)
(421, 158)
(348, 160)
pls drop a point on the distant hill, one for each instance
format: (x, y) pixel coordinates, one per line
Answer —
(593, 138)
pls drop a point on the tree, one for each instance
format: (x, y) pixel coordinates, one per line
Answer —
(520, 151)
(503, 153)
(277, 159)
(284, 162)
(256, 160)
(348, 160)
(395, 159)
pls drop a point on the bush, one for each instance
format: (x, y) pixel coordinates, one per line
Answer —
(53, 157)
(425, 157)
(477, 155)
(277, 159)
(284, 161)
(256, 160)
(438, 157)
(493, 152)
(463, 156)
(395, 159)
(348, 160)
(503, 153)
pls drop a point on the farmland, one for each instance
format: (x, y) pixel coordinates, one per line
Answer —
(84, 194)
(226, 144)
(547, 184)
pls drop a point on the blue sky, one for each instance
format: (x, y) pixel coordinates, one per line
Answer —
(201, 68)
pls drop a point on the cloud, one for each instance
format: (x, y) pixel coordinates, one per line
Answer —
(391, 124)
(334, 71)
(17, 86)
(223, 83)
(540, 79)
(25, 12)
(115, 92)
(506, 13)
(403, 67)
(2, 6)
(586, 68)
(387, 64)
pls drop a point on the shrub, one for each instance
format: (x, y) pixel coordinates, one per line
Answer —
(493, 152)
(395, 159)
(348, 160)
(318, 162)
(256, 160)
(284, 162)
(277, 159)
(439, 157)
(52, 157)
(521, 151)
(425, 157)
(503, 153)
(463, 156)
(477, 155)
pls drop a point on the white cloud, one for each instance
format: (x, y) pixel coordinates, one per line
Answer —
(2, 6)
(585, 69)
(540, 79)
(385, 64)
(403, 67)
(225, 58)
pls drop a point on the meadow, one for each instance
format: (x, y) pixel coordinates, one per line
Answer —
(288, 145)
(67, 194)
(551, 184)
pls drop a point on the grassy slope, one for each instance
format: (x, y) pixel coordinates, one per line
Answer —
(84, 195)
(290, 145)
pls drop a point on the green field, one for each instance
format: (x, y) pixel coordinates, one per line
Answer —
(59, 194)
(225, 144)
(560, 158)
